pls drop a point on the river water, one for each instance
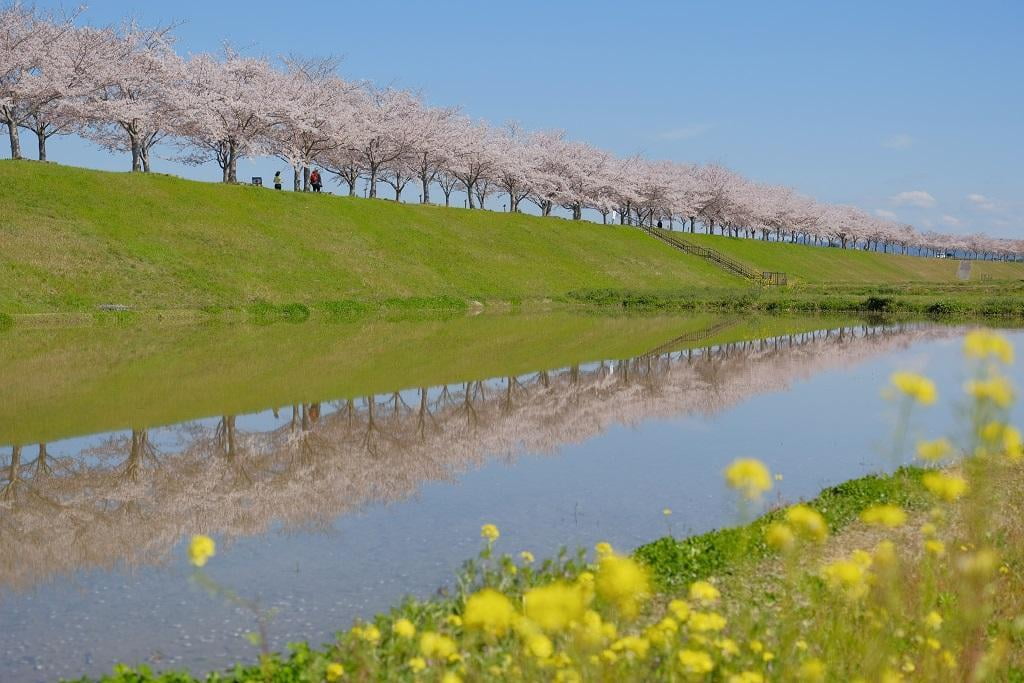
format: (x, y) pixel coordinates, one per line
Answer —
(360, 480)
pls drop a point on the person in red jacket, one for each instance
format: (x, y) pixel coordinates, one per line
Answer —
(314, 180)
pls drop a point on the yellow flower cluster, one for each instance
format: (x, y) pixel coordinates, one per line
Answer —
(201, 549)
(996, 389)
(749, 476)
(489, 611)
(849, 576)
(807, 522)
(947, 487)
(489, 532)
(984, 344)
(917, 387)
(891, 516)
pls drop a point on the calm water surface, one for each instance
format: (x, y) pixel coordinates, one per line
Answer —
(334, 508)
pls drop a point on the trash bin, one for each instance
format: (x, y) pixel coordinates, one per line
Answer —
(257, 181)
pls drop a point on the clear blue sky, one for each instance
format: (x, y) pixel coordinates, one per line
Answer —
(855, 102)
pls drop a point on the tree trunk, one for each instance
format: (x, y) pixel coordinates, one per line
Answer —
(425, 197)
(296, 179)
(42, 146)
(144, 152)
(136, 159)
(12, 131)
(232, 163)
(398, 193)
(305, 178)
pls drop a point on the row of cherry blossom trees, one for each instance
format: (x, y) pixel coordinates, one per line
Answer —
(127, 89)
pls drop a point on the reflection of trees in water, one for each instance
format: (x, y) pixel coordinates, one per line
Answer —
(123, 502)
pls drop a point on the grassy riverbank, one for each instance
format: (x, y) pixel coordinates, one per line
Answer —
(75, 240)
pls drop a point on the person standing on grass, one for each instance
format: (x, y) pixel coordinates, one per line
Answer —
(278, 181)
(314, 180)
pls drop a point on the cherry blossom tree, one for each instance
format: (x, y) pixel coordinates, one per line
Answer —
(232, 102)
(315, 118)
(474, 157)
(132, 94)
(27, 39)
(385, 129)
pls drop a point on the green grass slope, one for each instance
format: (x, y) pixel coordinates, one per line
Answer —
(836, 266)
(73, 238)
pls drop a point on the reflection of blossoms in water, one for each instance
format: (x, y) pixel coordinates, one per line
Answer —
(129, 502)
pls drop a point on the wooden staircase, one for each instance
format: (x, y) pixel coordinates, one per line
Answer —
(764, 278)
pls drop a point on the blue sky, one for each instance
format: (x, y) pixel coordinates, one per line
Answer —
(910, 108)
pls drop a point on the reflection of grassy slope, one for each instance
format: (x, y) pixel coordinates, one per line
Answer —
(86, 380)
(74, 238)
(823, 264)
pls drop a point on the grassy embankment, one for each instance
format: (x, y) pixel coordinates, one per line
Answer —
(75, 239)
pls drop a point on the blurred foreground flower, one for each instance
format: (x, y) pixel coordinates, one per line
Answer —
(201, 549)
(983, 344)
(749, 476)
(917, 387)
(947, 487)
(490, 532)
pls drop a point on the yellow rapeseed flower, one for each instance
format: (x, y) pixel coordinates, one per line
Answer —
(746, 677)
(634, 645)
(603, 548)
(935, 547)
(947, 487)
(334, 671)
(526, 556)
(667, 512)
(417, 664)
(983, 344)
(622, 581)
(996, 389)
(554, 606)
(917, 387)
(695, 661)
(932, 451)
(680, 608)
(1013, 444)
(807, 522)
(749, 476)
(848, 577)
(490, 611)
(702, 591)
(891, 516)
(704, 622)
(592, 631)
(811, 671)
(539, 645)
(201, 549)
(370, 634)
(728, 647)
(403, 628)
(436, 645)
(490, 532)
(451, 677)
(933, 620)
(779, 537)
